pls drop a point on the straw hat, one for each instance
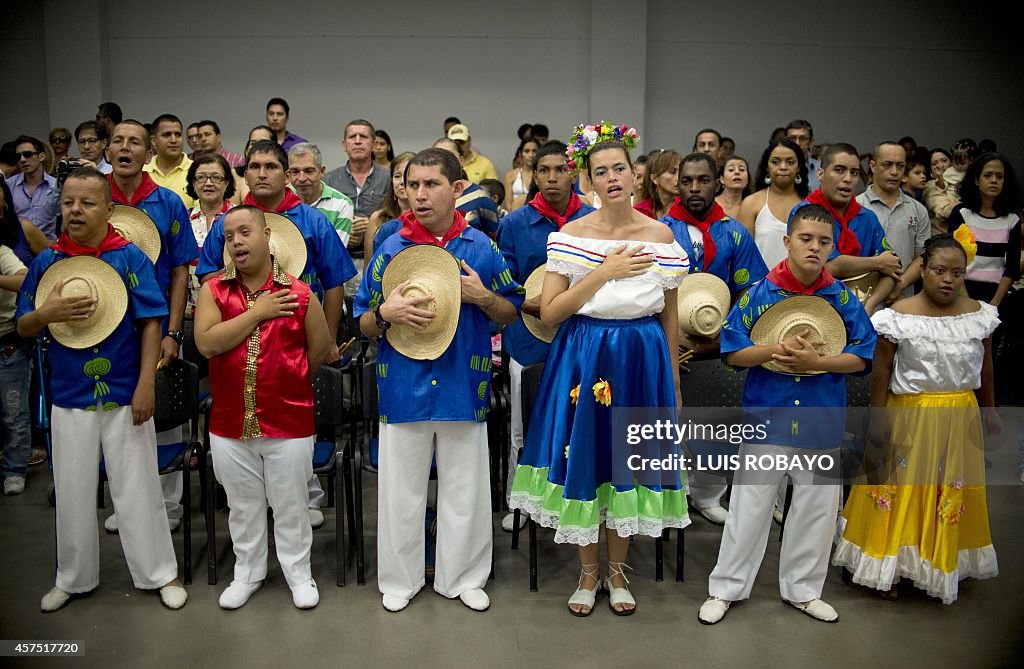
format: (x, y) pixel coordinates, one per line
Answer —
(85, 276)
(431, 271)
(286, 244)
(863, 285)
(137, 227)
(792, 316)
(534, 284)
(703, 301)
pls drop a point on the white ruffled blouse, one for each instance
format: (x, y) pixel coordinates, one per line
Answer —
(936, 353)
(634, 297)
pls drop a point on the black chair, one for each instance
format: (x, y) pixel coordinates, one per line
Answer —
(529, 387)
(712, 387)
(177, 403)
(330, 459)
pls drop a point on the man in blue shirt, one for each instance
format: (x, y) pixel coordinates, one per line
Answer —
(719, 245)
(860, 243)
(103, 401)
(328, 265)
(429, 406)
(799, 413)
(31, 186)
(523, 238)
(129, 151)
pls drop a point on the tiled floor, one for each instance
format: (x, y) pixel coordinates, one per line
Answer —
(123, 627)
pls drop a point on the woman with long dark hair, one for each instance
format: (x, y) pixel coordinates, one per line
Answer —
(781, 184)
(990, 205)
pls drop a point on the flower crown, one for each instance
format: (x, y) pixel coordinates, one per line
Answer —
(586, 137)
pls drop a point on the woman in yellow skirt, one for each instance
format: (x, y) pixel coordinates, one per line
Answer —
(926, 519)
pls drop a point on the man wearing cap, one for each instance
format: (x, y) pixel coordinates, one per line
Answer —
(718, 245)
(523, 238)
(131, 185)
(103, 393)
(477, 167)
(860, 243)
(799, 412)
(430, 406)
(265, 334)
(328, 265)
(169, 166)
(904, 219)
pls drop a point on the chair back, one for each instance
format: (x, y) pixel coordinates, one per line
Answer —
(709, 383)
(328, 396)
(177, 395)
(190, 352)
(371, 413)
(529, 387)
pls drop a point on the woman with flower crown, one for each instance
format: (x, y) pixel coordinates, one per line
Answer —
(610, 287)
(921, 513)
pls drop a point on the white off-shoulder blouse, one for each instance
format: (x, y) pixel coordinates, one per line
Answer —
(634, 297)
(936, 353)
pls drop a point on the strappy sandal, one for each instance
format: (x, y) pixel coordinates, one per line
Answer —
(582, 596)
(619, 595)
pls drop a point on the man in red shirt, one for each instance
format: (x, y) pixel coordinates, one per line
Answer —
(264, 333)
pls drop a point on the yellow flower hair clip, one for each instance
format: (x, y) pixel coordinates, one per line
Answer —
(965, 237)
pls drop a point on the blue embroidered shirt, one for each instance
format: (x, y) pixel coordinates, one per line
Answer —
(737, 260)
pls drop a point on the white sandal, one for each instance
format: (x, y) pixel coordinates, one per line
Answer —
(619, 595)
(582, 596)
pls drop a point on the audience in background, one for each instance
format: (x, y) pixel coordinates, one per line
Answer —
(91, 138)
(277, 118)
(30, 187)
(305, 173)
(477, 167)
(108, 114)
(383, 151)
(394, 204)
(661, 183)
(734, 185)
(802, 132)
(709, 141)
(210, 142)
(518, 179)
(362, 181)
(60, 143)
(169, 166)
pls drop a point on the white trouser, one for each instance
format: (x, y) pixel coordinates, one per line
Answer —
(515, 372)
(806, 544)
(314, 492)
(254, 472)
(129, 453)
(706, 489)
(172, 483)
(464, 533)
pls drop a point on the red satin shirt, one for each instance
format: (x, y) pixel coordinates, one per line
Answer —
(262, 387)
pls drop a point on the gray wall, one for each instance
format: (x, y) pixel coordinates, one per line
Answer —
(860, 72)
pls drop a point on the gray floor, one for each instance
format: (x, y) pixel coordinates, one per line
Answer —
(123, 627)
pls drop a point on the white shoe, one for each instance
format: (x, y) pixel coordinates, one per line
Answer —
(173, 523)
(393, 603)
(476, 599)
(305, 596)
(173, 596)
(14, 485)
(316, 518)
(777, 515)
(816, 609)
(237, 594)
(508, 522)
(53, 600)
(619, 595)
(110, 524)
(582, 596)
(713, 610)
(714, 514)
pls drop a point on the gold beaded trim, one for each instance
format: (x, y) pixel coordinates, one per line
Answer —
(250, 425)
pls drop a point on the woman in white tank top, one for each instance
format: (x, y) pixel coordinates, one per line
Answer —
(517, 180)
(784, 171)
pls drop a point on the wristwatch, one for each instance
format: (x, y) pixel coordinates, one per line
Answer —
(177, 335)
(382, 324)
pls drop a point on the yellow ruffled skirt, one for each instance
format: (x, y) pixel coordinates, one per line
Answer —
(927, 518)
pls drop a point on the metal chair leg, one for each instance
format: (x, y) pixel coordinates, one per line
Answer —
(533, 555)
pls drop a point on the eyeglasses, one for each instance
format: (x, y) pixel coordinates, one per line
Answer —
(215, 179)
(60, 139)
(29, 154)
(89, 140)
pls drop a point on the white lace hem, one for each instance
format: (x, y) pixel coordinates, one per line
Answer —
(585, 536)
(882, 573)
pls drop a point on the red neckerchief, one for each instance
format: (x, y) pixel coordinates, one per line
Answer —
(290, 201)
(784, 279)
(146, 187)
(716, 213)
(414, 231)
(70, 247)
(849, 245)
(544, 209)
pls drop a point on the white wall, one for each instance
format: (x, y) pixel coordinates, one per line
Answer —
(860, 72)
